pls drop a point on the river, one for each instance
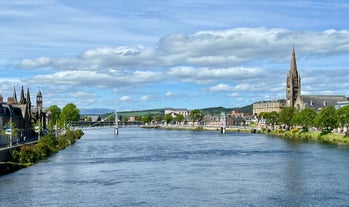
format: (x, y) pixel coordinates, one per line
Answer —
(154, 167)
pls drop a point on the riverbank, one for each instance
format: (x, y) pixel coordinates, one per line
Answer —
(28, 155)
(330, 138)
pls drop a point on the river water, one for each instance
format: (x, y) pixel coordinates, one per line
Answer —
(153, 167)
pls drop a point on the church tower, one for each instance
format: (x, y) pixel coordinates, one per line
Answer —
(39, 102)
(293, 82)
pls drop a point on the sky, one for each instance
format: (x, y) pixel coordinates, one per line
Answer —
(148, 54)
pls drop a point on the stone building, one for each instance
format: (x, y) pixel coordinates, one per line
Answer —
(268, 106)
(175, 112)
(293, 92)
(21, 113)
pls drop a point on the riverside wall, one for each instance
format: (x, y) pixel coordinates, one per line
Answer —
(5, 153)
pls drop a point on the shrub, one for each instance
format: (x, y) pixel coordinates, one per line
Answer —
(295, 130)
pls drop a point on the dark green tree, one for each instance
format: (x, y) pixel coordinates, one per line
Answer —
(69, 114)
(168, 118)
(158, 118)
(327, 119)
(54, 112)
(179, 118)
(195, 115)
(305, 118)
(146, 119)
(286, 115)
(343, 116)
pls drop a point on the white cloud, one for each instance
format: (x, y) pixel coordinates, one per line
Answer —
(207, 75)
(145, 98)
(169, 94)
(216, 49)
(221, 87)
(125, 99)
(35, 63)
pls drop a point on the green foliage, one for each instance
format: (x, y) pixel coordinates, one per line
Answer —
(327, 119)
(179, 118)
(47, 144)
(168, 118)
(159, 118)
(195, 115)
(14, 129)
(54, 112)
(69, 113)
(294, 130)
(146, 119)
(286, 115)
(343, 116)
(271, 118)
(304, 118)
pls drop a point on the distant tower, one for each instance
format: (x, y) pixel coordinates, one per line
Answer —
(14, 94)
(28, 103)
(22, 99)
(293, 82)
(39, 102)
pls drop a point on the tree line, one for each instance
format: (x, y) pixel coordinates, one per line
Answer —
(327, 119)
(61, 118)
(194, 116)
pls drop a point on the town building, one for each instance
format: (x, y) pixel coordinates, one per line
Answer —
(294, 97)
(268, 106)
(21, 114)
(293, 92)
(175, 112)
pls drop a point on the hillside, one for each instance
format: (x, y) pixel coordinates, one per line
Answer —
(205, 111)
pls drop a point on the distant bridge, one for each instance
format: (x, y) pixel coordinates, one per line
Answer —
(83, 124)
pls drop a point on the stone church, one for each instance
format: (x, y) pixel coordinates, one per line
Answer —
(293, 92)
(294, 97)
(22, 113)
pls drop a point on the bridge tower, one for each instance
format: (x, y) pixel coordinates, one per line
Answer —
(224, 123)
(116, 126)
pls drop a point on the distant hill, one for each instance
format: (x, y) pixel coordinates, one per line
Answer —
(151, 112)
(154, 112)
(217, 110)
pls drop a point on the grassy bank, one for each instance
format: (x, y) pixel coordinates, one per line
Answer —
(30, 154)
(331, 138)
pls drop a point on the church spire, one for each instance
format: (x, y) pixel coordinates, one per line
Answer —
(28, 96)
(293, 82)
(14, 94)
(22, 99)
(293, 66)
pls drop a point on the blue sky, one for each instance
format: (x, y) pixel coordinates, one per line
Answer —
(146, 54)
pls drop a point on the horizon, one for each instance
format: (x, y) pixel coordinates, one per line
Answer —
(131, 56)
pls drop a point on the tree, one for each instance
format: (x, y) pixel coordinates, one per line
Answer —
(69, 113)
(343, 116)
(158, 118)
(179, 118)
(54, 112)
(273, 118)
(305, 118)
(146, 119)
(286, 114)
(327, 119)
(168, 118)
(195, 115)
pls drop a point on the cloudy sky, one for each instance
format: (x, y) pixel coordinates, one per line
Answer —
(146, 54)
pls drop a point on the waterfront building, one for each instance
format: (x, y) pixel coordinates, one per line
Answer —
(268, 106)
(175, 112)
(22, 114)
